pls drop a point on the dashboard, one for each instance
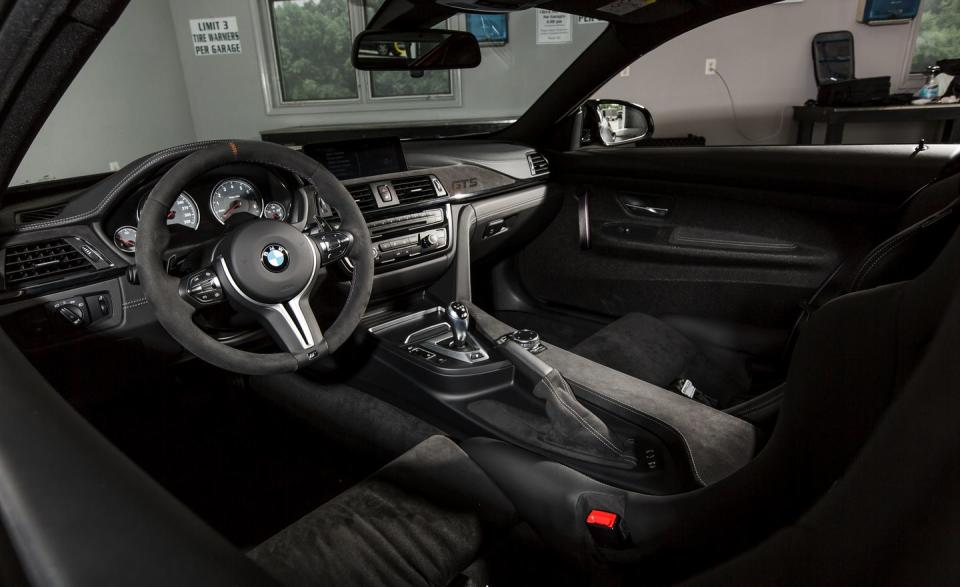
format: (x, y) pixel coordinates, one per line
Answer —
(67, 255)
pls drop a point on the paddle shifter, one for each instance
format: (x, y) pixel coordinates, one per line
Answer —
(458, 316)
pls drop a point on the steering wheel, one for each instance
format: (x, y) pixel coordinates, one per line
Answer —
(263, 267)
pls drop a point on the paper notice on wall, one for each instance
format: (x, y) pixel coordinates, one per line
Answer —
(622, 7)
(215, 36)
(588, 20)
(553, 28)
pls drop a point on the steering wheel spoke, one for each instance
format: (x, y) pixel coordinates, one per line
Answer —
(293, 326)
(202, 288)
(290, 322)
(333, 245)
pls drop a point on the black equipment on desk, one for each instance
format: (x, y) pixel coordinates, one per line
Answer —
(834, 66)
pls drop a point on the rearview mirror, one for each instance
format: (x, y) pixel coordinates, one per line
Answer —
(616, 122)
(415, 50)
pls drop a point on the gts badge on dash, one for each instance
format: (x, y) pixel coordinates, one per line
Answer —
(462, 185)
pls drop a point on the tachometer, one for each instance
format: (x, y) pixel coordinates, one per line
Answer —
(126, 239)
(235, 196)
(184, 212)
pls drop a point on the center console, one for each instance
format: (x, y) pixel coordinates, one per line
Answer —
(409, 236)
(467, 369)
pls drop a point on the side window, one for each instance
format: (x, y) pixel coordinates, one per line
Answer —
(939, 34)
(307, 45)
(752, 79)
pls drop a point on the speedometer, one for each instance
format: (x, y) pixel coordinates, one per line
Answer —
(184, 212)
(235, 196)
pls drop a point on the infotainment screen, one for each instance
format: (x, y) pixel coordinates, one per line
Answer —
(359, 158)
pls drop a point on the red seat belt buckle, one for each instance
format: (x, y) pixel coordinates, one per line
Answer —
(607, 529)
(601, 518)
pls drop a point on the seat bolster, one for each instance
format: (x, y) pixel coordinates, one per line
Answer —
(420, 520)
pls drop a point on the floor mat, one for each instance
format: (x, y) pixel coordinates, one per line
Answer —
(563, 331)
(241, 464)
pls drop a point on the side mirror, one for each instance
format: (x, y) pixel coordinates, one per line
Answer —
(415, 50)
(616, 122)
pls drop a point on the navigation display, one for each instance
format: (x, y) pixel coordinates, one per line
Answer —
(359, 158)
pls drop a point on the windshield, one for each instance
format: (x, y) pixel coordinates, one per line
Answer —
(179, 71)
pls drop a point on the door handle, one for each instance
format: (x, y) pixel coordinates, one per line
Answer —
(644, 210)
(583, 218)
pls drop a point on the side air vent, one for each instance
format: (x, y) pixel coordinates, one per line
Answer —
(363, 195)
(49, 258)
(410, 190)
(40, 214)
(538, 164)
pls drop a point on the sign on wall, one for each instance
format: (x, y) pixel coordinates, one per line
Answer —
(215, 36)
(553, 28)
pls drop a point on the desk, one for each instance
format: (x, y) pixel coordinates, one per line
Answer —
(836, 118)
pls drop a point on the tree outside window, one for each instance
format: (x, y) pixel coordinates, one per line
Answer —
(313, 41)
(939, 36)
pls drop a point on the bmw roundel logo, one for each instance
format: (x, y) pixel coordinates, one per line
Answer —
(275, 258)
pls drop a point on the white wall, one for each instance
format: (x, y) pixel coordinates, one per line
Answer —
(765, 56)
(128, 100)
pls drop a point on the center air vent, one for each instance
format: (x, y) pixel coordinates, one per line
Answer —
(49, 258)
(538, 164)
(363, 195)
(410, 190)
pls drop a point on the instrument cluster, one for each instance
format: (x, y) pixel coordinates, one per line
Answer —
(208, 204)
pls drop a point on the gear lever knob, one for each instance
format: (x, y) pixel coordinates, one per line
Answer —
(459, 318)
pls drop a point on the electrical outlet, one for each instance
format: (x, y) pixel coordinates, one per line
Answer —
(711, 66)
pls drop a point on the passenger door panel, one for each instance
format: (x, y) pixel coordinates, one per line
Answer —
(738, 234)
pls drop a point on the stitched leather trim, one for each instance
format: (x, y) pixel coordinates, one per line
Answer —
(583, 423)
(885, 248)
(683, 439)
(132, 177)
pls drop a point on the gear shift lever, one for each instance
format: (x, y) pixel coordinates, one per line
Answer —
(459, 318)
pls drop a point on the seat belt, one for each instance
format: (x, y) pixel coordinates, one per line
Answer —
(807, 308)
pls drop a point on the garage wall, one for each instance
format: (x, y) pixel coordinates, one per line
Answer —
(765, 56)
(508, 80)
(129, 100)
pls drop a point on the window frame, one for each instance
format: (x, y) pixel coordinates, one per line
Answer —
(365, 101)
(910, 80)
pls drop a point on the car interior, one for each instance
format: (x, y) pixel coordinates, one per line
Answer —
(535, 355)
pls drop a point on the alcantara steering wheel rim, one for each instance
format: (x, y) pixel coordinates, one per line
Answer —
(265, 267)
